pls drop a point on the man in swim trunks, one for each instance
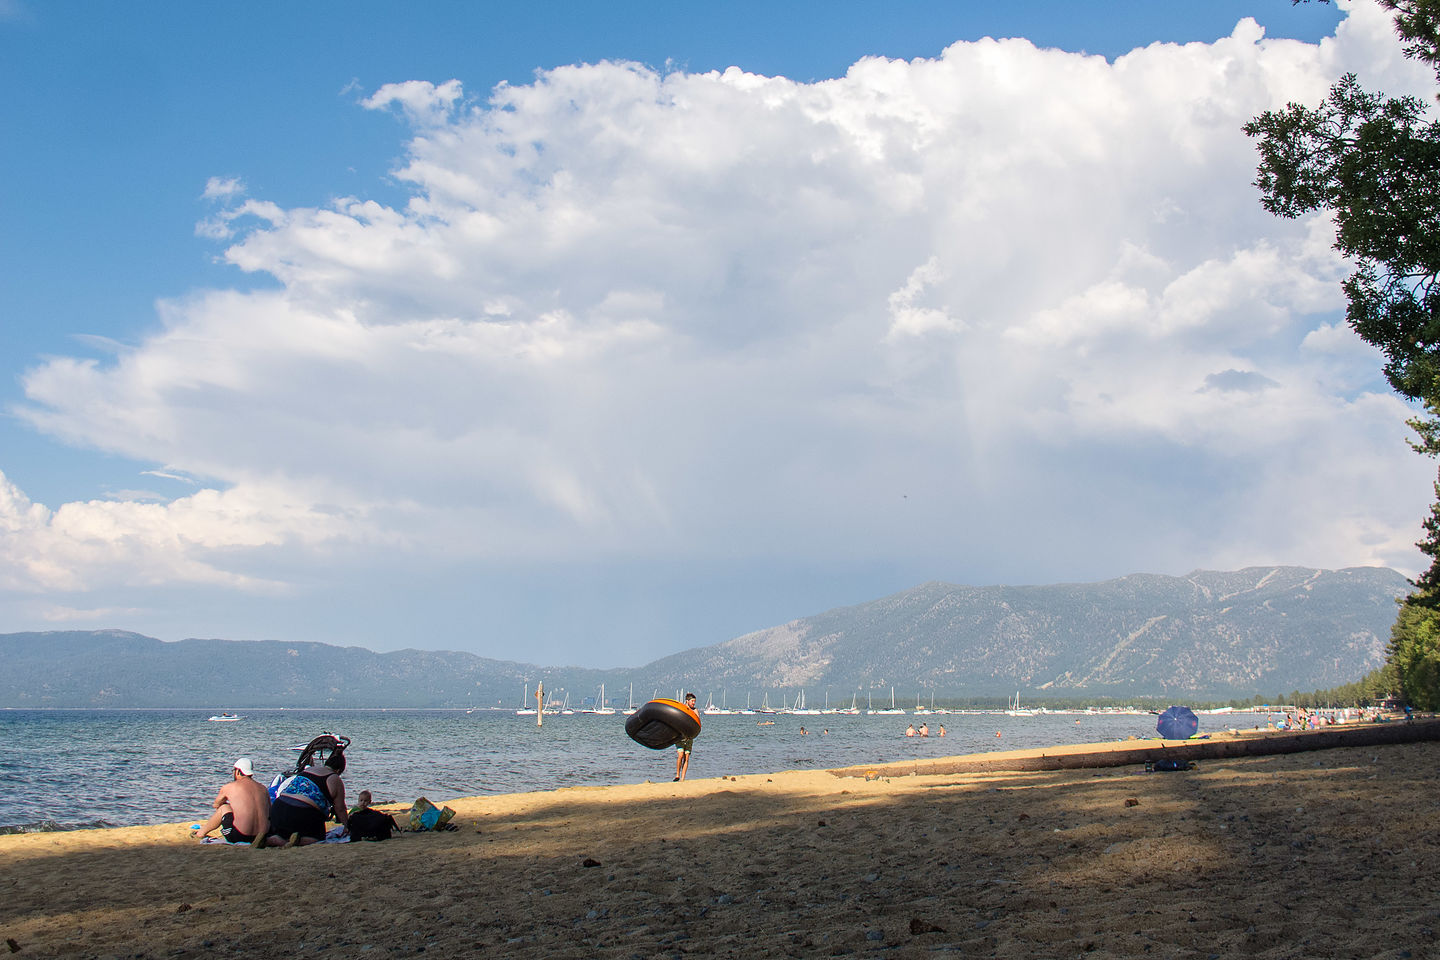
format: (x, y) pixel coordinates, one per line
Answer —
(242, 807)
(684, 745)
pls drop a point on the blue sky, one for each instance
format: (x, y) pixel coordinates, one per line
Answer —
(711, 317)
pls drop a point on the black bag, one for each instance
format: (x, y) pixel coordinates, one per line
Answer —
(370, 824)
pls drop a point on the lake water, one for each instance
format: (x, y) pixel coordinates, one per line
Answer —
(128, 767)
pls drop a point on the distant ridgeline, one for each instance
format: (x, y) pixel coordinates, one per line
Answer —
(1208, 635)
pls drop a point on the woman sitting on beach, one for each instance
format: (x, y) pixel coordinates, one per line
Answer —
(306, 800)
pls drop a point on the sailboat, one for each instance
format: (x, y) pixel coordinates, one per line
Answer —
(631, 708)
(1015, 711)
(601, 708)
(525, 711)
(853, 708)
(713, 710)
(800, 707)
(893, 709)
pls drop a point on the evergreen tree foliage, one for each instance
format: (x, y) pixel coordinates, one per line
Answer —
(1368, 691)
(1373, 162)
(1415, 654)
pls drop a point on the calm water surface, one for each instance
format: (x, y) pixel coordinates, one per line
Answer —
(122, 767)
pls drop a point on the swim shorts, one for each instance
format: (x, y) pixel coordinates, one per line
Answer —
(294, 816)
(685, 744)
(228, 831)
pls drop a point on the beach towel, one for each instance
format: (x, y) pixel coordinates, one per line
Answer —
(333, 836)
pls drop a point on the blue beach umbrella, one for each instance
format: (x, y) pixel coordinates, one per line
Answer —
(1178, 723)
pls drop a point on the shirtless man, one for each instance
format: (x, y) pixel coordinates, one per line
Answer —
(684, 745)
(242, 807)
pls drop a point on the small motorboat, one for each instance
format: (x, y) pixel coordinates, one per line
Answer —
(225, 718)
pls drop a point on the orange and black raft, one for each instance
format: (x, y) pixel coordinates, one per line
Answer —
(662, 723)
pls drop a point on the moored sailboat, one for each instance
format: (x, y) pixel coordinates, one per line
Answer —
(1015, 710)
(893, 709)
(525, 711)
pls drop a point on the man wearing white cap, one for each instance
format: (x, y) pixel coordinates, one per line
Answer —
(242, 808)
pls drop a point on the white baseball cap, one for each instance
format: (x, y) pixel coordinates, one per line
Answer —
(243, 765)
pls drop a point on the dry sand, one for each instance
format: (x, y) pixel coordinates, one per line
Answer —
(1332, 853)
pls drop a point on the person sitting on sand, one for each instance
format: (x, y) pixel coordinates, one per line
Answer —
(368, 824)
(242, 807)
(306, 801)
(684, 745)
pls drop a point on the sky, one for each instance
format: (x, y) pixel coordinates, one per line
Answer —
(585, 333)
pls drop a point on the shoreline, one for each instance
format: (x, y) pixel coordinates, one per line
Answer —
(1100, 753)
(1215, 746)
(1302, 854)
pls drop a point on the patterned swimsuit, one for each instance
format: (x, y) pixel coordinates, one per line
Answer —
(302, 785)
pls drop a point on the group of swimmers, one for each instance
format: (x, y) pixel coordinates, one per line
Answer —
(244, 812)
(923, 731)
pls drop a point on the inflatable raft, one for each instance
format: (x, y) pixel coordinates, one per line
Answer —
(662, 723)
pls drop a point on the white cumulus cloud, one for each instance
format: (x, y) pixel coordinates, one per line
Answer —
(1008, 303)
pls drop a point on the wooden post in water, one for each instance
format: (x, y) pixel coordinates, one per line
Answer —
(540, 704)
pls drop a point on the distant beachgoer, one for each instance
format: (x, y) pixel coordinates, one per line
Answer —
(804, 732)
(942, 730)
(924, 729)
(684, 745)
(910, 730)
(306, 801)
(825, 732)
(242, 807)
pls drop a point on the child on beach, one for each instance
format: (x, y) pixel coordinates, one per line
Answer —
(367, 824)
(684, 746)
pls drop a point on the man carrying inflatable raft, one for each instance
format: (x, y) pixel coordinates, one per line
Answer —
(664, 723)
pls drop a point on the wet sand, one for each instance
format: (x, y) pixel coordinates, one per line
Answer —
(1331, 853)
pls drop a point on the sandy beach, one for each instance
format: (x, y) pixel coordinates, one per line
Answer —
(1330, 853)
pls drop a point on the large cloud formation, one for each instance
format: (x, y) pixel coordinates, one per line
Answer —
(1011, 303)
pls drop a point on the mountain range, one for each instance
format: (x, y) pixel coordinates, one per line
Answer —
(1207, 635)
